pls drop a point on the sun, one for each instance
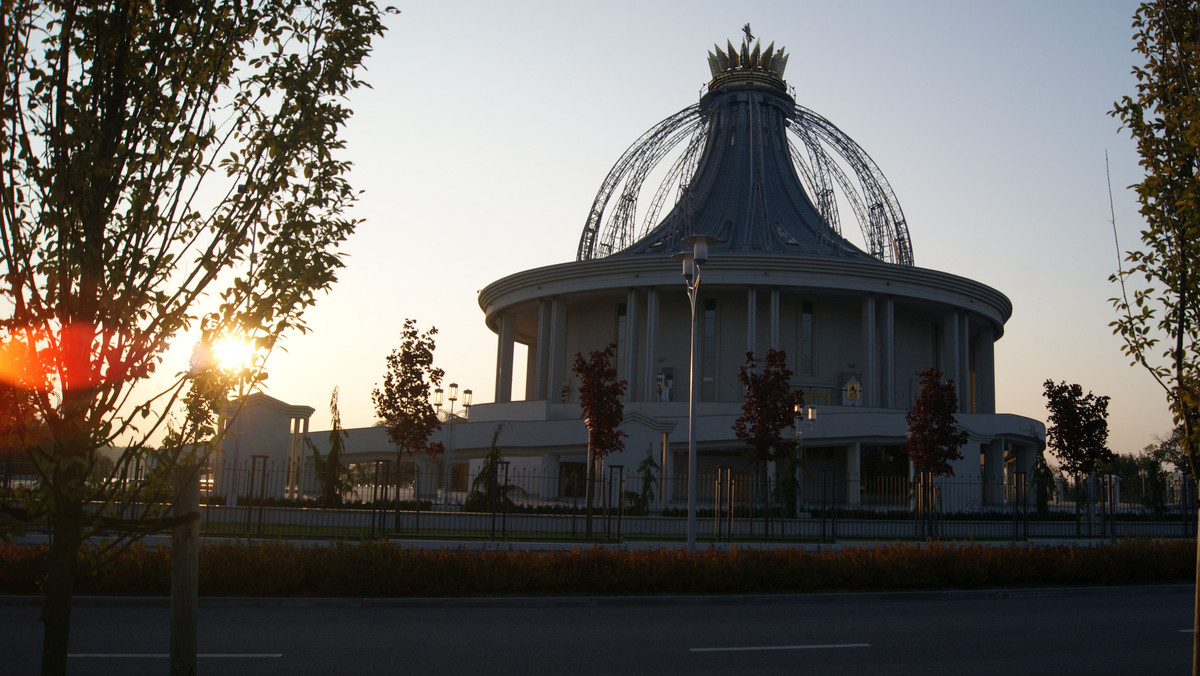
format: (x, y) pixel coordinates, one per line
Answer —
(233, 353)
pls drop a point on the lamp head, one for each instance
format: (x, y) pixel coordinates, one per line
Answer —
(467, 398)
(437, 397)
(689, 264)
(699, 244)
(453, 392)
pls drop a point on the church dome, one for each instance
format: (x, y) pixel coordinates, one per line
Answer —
(749, 168)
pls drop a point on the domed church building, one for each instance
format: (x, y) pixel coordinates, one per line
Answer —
(777, 192)
(773, 188)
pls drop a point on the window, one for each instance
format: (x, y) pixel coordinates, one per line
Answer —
(708, 368)
(807, 356)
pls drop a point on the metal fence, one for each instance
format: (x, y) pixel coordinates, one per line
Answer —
(400, 500)
(387, 500)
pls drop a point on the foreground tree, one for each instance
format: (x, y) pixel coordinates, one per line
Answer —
(402, 403)
(771, 406)
(166, 166)
(1077, 433)
(1160, 323)
(600, 392)
(934, 436)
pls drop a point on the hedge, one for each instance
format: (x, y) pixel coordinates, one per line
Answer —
(380, 569)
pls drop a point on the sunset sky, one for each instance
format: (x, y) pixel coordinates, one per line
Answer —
(490, 127)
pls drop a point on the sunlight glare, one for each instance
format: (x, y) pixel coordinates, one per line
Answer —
(233, 353)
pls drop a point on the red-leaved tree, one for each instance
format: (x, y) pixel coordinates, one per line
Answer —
(771, 406)
(600, 392)
(934, 435)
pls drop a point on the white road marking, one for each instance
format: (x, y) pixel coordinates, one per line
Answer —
(166, 655)
(1184, 631)
(736, 649)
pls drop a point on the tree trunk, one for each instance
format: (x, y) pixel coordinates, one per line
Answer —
(185, 574)
(61, 569)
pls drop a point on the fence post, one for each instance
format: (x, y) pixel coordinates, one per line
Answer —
(826, 507)
(416, 497)
(729, 510)
(717, 495)
(1024, 483)
(377, 501)
(606, 487)
(621, 503)
(249, 497)
(504, 505)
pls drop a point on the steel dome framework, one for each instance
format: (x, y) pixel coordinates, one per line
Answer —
(833, 170)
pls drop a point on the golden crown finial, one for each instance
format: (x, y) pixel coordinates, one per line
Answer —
(734, 59)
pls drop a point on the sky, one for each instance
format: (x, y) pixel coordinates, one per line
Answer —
(489, 128)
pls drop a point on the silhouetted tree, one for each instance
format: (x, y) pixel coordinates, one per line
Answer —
(1078, 429)
(402, 403)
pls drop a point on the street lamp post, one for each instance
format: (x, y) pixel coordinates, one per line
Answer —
(692, 262)
(448, 463)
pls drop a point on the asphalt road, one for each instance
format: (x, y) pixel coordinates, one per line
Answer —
(1059, 632)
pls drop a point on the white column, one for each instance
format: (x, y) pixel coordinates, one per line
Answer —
(668, 477)
(650, 348)
(752, 320)
(964, 363)
(853, 456)
(557, 351)
(887, 371)
(985, 371)
(775, 318)
(631, 345)
(950, 348)
(869, 354)
(531, 371)
(993, 472)
(505, 337)
(543, 350)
